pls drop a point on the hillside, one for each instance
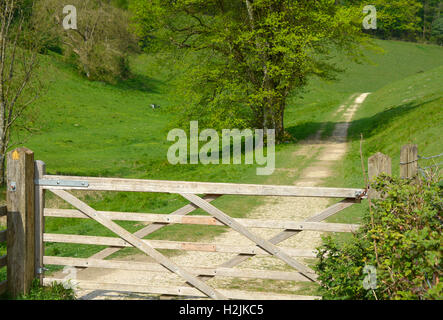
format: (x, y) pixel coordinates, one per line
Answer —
(396, 61)
(402, 112)
(116, 125)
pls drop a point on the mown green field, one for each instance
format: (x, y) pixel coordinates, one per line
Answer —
(96, 129)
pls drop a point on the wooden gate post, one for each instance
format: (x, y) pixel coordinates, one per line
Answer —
(377, 164)
(21, 233)
(408, 161)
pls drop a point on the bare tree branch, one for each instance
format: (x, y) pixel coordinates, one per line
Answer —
(18, 63)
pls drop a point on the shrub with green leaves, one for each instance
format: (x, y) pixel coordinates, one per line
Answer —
(101, 42)
(55, 291)
(401, 237)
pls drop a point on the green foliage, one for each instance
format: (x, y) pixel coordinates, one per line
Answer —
(102, 42)
(104, 64)
(430, 14)
(437, 30)
(411, 20)
(248, 55)
(122, 4)
(398, 18)
(55, 291)
(401, 237)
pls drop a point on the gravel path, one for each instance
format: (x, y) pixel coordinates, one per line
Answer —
(322, 155)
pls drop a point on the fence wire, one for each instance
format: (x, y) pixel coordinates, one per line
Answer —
(419, 157)
(422, 170)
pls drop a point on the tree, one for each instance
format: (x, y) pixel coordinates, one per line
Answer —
(430, 13)
(249, 55)
(101, 42)
(437, 31)
(399, 19)
(19, 85)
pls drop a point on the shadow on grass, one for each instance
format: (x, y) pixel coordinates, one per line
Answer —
(140, 82)
(305, 130)
(368, 126)
(372, 125)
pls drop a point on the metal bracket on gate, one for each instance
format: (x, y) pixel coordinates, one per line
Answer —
(61, 183)
(41, 270)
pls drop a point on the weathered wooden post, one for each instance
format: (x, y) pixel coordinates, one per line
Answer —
(21, 233)
(40, 171)
(409, 161)
(377, 164)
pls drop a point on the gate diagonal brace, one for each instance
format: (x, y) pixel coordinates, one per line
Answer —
(139, 244)
(286, 234)
(262, 243)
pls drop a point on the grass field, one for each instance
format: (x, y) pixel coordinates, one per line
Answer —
(95, 129)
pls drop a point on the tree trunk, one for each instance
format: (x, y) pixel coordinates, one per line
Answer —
(273, 117)
(279, 122)
(2, 162)
(2, 169)
(424, 20)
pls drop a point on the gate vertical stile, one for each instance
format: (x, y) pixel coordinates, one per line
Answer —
(40, 171)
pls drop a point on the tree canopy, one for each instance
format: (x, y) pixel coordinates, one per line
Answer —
(248, 56)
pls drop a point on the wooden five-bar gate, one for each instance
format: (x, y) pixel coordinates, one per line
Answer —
(26, 236)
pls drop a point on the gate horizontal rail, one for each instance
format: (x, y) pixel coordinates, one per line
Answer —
(138, 185)
(204, 220)
(180, 291)
(154, 267)
(173, 245)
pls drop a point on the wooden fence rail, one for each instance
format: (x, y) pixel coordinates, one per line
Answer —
(26, 212)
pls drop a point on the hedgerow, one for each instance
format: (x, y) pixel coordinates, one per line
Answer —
(401, 237)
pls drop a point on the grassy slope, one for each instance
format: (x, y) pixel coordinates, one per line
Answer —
(406, 111)
(94, 129)
(399, 60)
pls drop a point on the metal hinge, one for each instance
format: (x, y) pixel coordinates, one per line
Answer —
(41, 270)
(61, 183)
(360, 194)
